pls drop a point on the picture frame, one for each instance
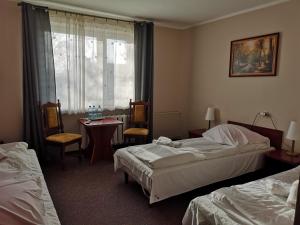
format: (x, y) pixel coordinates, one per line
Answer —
(254, 56)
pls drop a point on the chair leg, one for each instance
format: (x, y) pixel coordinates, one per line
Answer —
(62, 157)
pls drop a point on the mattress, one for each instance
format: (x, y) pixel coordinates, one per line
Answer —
(24, 197)
(163, 183)
(250, 203)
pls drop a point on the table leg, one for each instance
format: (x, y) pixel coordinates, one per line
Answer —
(102, 142)
(89, 149)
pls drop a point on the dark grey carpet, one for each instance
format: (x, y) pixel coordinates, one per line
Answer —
(95, 195)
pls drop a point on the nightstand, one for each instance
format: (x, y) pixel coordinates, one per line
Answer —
(279, 161)
(196, 133)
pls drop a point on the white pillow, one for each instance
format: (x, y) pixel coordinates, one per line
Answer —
(14, 145)
(277, 187)
(230, 134)
(292, 199)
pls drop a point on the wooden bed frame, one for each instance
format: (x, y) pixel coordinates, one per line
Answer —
(275, 136)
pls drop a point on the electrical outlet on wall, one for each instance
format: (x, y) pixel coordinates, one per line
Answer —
(265, 114)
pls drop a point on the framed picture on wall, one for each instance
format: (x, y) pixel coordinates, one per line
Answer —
(254, 57)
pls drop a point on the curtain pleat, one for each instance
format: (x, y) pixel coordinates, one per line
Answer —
(143, 41)
(38, 72)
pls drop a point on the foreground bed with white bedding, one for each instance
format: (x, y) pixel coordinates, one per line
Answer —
(166, 171)
(251, 203)
(24, 197)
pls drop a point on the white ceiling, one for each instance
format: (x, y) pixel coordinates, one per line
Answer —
(174, 13)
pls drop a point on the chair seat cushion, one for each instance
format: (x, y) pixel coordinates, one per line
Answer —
(137, 131)
(63, 137)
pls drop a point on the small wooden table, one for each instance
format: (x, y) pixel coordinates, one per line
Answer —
(196, 133)
(100, 133)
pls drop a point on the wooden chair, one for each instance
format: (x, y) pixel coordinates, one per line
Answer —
(53, 128)
(138, 121)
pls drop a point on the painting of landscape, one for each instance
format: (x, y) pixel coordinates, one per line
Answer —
(255, 56)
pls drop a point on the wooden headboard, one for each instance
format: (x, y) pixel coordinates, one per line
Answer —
(275, 136)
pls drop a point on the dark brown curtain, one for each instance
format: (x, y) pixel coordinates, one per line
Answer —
(38, 72)
(143, 42)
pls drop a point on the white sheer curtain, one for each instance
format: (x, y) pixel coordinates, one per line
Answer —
(94, 61)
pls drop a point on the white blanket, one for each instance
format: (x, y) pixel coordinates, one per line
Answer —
(162, 156)
(24, 197)
(250, 203)
(22, 202)
(159, 156)
(165, 182)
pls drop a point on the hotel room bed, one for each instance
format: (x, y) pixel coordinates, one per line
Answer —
(24, 197)
(165, 182)
(250, 203)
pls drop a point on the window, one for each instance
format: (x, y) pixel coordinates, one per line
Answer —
(94, 62)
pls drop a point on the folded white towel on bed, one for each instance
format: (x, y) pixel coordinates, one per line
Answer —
(277, 187)
(167, 141)
(292, 199)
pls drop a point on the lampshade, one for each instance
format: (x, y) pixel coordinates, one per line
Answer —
(293, 131)
(210, 114)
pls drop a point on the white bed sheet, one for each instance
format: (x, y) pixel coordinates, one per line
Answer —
(24, 164)
(163, 183)
(250, 203)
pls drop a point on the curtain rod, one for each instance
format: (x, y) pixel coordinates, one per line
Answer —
(76, 13)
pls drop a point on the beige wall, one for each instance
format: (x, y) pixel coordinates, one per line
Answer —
(10, 72)
(241, 98)
(172, 70)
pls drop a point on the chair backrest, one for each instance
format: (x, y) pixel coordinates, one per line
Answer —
(139, 114)
(51, 118)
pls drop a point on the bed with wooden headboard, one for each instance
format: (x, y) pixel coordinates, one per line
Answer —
(164, 182)
(249, 203)
(275, 136)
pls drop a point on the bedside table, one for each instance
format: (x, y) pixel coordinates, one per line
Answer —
(279, 161)
(196, 133)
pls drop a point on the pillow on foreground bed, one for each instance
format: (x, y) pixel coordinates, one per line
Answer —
(13, 145)
(15, 157)
(277, 187)
(230, 134)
